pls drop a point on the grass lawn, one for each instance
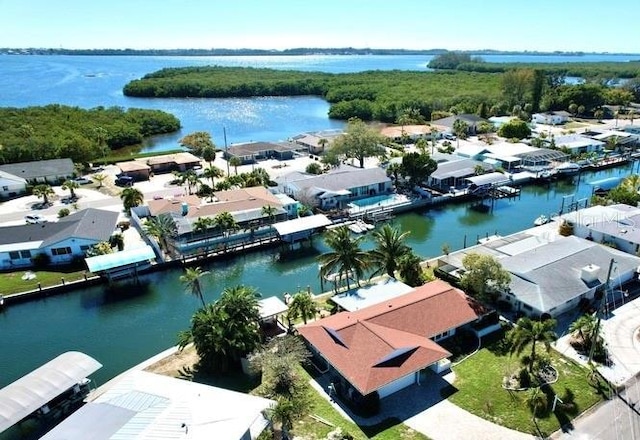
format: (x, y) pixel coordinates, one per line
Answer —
(12, 282)
(479, 384)
(312, 429)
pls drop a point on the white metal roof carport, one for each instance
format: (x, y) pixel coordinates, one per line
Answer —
(27, 394)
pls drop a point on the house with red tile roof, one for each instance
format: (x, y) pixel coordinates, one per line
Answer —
(384, 347)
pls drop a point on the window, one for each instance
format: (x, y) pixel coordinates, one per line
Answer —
(19, 255)
(381, 187)
(61, 251)
(15, 255)
(25, 254)
(85, 247)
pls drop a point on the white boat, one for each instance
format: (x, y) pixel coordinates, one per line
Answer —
(365, 226)
(541, 220)
(355, 228)
(568, 168)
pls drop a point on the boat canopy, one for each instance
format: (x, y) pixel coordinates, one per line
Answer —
(302, 224)
(29, 393)
(105, 262)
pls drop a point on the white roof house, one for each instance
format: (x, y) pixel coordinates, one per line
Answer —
(146, 406)
(579, 144)
(550, 273)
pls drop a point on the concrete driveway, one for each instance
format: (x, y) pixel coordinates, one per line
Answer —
(620, 331)
(424, 409)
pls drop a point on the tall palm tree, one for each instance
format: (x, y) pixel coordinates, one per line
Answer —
(303, 211)
(235, 162)
(191, 280)
(72, 186)
(390, 248)
(322, 143)
(203, 224)
(131, 197)
(270, 211)
(632, 182)
(163, 228)
(302, 306)
(100, 178)
(213, 173)
(346, 258)
(394, 170)
(226, 223)
(529, 332)
(45, 191)
(583, 329)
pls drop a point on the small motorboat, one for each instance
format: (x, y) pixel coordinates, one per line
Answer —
(541, 220)
(568, 169)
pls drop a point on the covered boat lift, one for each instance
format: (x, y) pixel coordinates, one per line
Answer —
(35, 391)
(121, 264)
(301, 228)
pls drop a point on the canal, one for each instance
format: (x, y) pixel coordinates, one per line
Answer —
(125, 324)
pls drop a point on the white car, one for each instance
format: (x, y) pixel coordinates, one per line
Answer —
(82, 180)
(35, 219)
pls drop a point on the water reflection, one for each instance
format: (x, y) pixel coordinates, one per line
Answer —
(129, 290)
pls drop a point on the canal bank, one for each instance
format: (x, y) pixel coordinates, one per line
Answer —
(123, 324)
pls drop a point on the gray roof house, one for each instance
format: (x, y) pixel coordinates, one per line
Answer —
(62, 241)
(337, 188)
(550, 274)
(42, 170)
(453, 173)
(470, 119)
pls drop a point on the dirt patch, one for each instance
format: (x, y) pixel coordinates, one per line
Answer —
(177, 364)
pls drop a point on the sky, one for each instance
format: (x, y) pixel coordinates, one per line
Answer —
(542, 25)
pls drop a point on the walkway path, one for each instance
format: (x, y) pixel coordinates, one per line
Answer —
(424, 409)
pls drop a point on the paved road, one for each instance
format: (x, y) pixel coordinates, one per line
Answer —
(616, 419)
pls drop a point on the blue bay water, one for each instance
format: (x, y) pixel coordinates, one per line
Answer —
(123, 325)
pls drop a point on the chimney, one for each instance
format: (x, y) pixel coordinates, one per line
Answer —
(185, 208)
(589, 274)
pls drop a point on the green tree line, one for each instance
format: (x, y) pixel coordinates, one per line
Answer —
(372, 95)
(57, 131)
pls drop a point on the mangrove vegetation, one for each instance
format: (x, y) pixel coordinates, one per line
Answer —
(58, 131)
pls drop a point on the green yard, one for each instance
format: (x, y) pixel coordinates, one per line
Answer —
(12, 282)
(479, 384)
(313, 429)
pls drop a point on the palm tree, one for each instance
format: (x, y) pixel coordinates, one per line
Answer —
(302, 306)
(346, 257)
(270, 211)
(235, 162)
(225, 331)
(191, 280)
(71, 185)
(131, 197)
(390, 248)
(631, 183)
(100, 178)
(303, 211)
(394, 169)
(163, 228)
(531, 332)
(45, 191)
(212, 173)
(322, 143)
(584, 329)
(226, 223)
(460, 128)
(203, 224)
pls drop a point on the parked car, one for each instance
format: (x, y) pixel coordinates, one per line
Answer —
(124, 180)
(34, 219)
(82, 180)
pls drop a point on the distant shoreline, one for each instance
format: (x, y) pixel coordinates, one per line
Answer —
(287, 52)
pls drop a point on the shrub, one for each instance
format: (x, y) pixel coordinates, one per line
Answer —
(63, 212)
(524, 379)
(41, 260)
(314, 168)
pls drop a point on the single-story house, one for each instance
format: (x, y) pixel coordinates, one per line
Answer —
(620, 138)
(62, 241)
(454, 174)
(41, 171)
(254, 151)
(11, 186)
(551, 118)
(136, 169)
(413, 132)
(247, 206)
(337, 188)
(173, 162)
(578, 144)
(146, 406)
(614, 225)
(384, 347)
(550, 274)
(315, 142)
(472, 121)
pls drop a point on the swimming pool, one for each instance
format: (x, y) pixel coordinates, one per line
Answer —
(379, 201)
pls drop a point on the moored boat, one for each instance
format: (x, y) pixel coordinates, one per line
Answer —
(541, 220)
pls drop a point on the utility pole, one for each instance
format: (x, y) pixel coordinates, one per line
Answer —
(226, 148)
(594, 337)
